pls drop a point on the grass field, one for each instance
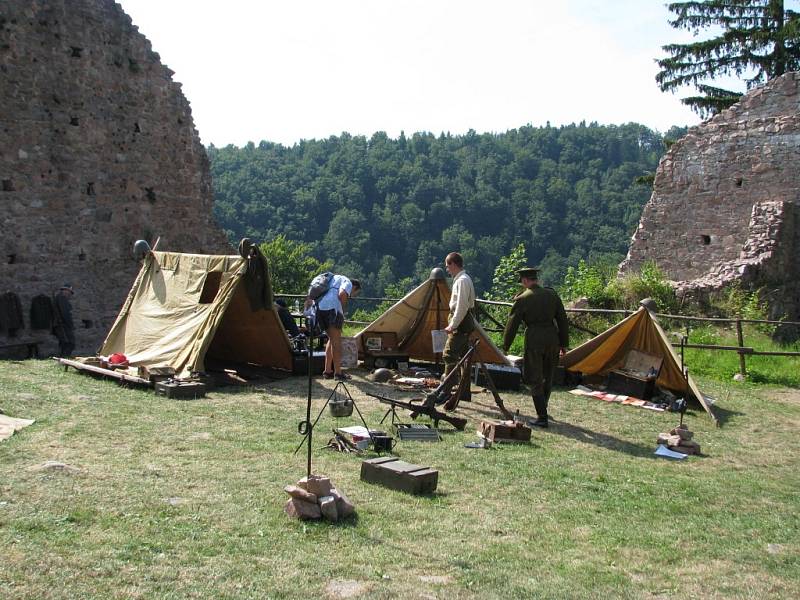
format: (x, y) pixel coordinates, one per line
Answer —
(184, 499)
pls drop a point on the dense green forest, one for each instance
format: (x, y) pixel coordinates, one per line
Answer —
(386, 209)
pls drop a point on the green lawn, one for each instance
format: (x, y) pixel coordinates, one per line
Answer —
(184, 499)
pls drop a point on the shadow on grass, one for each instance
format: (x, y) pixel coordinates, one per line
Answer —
(724, 415)
(603, 440)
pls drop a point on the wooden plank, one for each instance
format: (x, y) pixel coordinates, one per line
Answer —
(105, 372)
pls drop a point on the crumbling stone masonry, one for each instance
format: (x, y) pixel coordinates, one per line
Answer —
(97, 149)
(724, 202)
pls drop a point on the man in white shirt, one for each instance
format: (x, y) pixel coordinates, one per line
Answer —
(330, 315)
(462, 321)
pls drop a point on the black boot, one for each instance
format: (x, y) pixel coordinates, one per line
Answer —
(540, 403)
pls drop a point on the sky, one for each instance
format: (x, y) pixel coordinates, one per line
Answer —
(288, 70)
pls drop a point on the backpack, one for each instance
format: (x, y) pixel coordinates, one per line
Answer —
(319, 285)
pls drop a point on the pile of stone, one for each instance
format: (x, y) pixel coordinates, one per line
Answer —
(316, 497)
(680, 439)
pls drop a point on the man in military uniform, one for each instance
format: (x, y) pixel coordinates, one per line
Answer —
(546, 337)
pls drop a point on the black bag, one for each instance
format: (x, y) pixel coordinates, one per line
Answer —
(319, 285)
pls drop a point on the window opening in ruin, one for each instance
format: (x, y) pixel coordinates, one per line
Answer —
(739, 182)
(12, 258)
(150, 194)
(8, 185)
(133, 65)
(82, 255)
(90, 188)
(136, 128)
(73, 121)
(210, 287)
(87, 323)
(706, 239)
(76, 52)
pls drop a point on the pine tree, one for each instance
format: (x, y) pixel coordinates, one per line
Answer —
(759, 40)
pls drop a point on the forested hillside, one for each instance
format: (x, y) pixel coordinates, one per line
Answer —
(383, 209)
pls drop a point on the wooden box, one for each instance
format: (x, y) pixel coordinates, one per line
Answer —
(636, 376)
(504, 431)
(379, 349)
(155, 374)
(181, 390)
(399, 475)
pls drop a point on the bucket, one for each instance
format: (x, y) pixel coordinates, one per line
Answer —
(340, 408)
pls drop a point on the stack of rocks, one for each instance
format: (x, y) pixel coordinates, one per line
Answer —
(680, 439)
(315, 497)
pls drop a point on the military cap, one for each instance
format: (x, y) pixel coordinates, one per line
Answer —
(67, 287)
(529, 272)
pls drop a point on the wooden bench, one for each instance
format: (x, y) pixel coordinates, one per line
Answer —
(32, 347)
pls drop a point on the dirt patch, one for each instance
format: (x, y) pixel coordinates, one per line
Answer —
(436, 579)
(345, 589)
(57, 467)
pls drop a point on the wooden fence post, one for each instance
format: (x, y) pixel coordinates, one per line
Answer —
(740, 338)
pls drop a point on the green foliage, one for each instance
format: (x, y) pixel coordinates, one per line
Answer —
(758, 38)
(747, 304)
(385, 209)
(595, 282)
(393, 290)
(505, 283)
(290, 264)
(649, 282)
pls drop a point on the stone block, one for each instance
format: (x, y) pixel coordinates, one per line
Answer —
(300, 509)
(344, 507)
(682, 433)
(327, 506)
(668, 439)
(316, 484)
(301, 494)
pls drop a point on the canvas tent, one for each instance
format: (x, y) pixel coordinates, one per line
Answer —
(640, 331)
(422, 310)
(186, 309)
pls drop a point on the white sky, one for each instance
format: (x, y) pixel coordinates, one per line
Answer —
(288, 70)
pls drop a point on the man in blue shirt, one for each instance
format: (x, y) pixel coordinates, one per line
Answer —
(330, 316)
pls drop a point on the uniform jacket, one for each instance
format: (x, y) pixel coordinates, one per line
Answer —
(542, 311)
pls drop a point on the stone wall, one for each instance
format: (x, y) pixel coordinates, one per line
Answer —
(97, 149)
(722, 207)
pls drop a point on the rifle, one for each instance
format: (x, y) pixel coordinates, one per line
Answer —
(428, 407)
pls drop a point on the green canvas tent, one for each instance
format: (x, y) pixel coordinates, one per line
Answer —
(411, 320)
(640, 331)
(186, 309)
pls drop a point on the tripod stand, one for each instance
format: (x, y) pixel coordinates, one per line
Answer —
(307, 433)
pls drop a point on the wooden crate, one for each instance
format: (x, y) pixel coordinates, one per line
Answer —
(504, 431)
(636, 376)
(399, 475)
(181, 390)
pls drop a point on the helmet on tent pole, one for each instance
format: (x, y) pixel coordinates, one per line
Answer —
(140, 249)
(437, 273)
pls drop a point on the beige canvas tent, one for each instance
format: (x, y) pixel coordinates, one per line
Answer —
(187, 309)
(640, 331)
(411, 320)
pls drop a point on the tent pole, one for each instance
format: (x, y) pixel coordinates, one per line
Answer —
(307, 425)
